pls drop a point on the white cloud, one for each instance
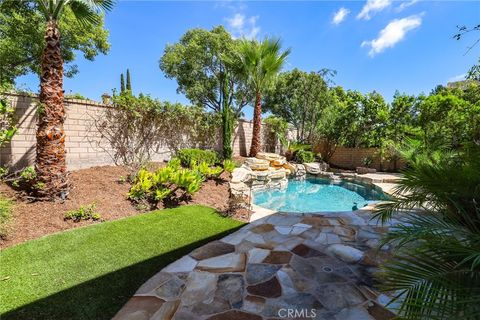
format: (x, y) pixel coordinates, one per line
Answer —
(394, 32)
(373, 6)
(460, 77)
(406, 4)
(340, 15)
(242, 26)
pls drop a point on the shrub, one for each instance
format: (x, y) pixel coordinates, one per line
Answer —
(169, 183)
(187, 156)
(86, 212)
(229, 165)
(303, 156)
(205, 170)
(7, 121)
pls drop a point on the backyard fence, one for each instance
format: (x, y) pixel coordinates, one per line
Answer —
(84, 143)
(86, 147)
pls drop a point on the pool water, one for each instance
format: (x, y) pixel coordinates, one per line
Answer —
(317, 195)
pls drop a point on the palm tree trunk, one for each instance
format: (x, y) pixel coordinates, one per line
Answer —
(50, 162)
(257, 124)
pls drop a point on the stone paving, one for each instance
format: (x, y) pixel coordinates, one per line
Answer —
(320, 266)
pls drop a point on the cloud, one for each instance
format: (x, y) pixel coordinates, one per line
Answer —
(406, 4)
(393, 33)
(243, 26)
(373, 6)
(340, 15)
(460, 77)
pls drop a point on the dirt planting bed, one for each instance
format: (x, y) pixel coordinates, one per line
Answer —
(102, 186)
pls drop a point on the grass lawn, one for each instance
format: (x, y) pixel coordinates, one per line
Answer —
(90, 272)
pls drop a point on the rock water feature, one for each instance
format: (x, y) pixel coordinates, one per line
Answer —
(269, 171)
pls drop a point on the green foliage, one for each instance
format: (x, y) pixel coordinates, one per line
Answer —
(137, 126)
(5, 216)
(276, 125)
(171, 183)
(304, 156)
(229, 165)
(199, 62)
(189, 156)
(260, 62)
(204, 65)
(299, 98)
(436, 264)
(22, 27)
(122, 83)
(206, 170)
(75, 96)
(129, 83)
(7, 121)
(25, 179)
(86, 212)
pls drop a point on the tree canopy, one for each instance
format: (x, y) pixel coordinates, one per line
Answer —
(22, 39)
(201, 61)
(299, 98)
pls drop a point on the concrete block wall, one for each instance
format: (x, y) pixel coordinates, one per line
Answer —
(350, 158)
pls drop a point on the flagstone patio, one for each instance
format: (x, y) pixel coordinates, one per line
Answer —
(322, 266)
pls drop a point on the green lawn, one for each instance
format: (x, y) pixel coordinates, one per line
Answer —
(90, 272)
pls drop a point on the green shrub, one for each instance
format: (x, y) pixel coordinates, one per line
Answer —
(26, 179)
(5, 216)
(86, 212)
(205, 170)
(303, 156)
(187, 156)
(229, 165)
(169, 183)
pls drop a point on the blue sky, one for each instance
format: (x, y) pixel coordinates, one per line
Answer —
(380, 45)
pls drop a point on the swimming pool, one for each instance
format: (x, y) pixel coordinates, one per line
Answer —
(318, 195)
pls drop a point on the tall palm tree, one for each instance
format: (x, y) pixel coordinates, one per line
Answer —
(260, 63)
(50, 164)
(435, 269)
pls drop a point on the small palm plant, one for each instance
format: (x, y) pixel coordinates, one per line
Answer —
(436, 267)
(260, 63)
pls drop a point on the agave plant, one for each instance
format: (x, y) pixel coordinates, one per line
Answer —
(436, 266)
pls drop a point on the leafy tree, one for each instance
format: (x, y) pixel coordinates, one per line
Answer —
(260, 64)
(50, 164)
(203, 64)
(448, 119)
(299, 98)
(332, 127)
(22, 42)
(401, 117)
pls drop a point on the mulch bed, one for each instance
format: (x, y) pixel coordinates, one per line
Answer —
(99, 185)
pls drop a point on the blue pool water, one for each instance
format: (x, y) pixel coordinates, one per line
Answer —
(317, 195)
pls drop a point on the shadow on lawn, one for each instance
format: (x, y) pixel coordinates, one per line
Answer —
(102, 297)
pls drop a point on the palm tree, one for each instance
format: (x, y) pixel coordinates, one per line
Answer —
(50, 164)
(436, 266)
(260, 63)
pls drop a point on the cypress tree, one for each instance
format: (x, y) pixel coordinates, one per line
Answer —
(227, 122)
(129, 84)
(122, 84)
